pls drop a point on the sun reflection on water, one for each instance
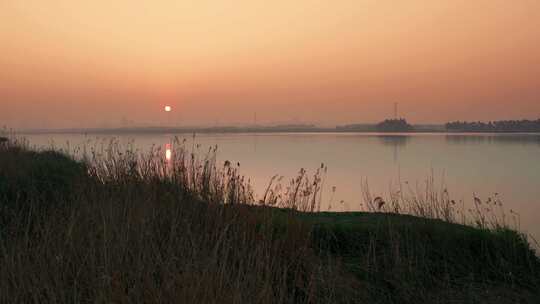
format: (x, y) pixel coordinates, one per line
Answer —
(168, 152)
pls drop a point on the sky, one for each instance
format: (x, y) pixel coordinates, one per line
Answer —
(67, 63)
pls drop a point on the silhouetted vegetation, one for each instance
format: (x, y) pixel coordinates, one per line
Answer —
(125, 227)
(495, 126)
(394, 125)
(388, 125)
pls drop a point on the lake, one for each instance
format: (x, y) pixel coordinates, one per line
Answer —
(468, 165)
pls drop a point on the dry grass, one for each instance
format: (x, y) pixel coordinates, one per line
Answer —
(131, 227)
(432, 200)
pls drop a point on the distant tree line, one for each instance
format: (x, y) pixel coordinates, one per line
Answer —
(394, 125)
(388, 125)
(495, 126)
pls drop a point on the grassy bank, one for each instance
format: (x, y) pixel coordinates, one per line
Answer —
(125, 227)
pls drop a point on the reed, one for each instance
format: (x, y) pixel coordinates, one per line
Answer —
(432, 200)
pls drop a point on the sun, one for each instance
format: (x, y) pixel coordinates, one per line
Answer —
(168, 108)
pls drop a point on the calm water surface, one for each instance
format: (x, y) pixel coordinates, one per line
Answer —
(467, 164)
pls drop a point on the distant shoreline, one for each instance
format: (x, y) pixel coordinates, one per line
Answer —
(387, 126)
(238, 130)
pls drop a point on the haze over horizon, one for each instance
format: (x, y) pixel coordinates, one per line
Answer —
(71, 64)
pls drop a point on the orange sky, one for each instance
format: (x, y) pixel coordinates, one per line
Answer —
(91, 63)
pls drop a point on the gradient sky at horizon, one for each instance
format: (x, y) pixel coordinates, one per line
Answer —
(93, 63)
